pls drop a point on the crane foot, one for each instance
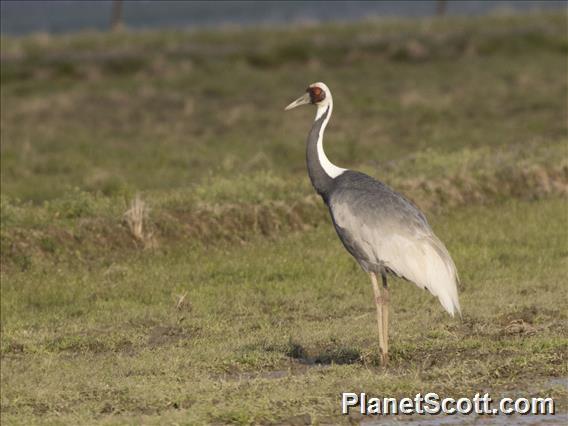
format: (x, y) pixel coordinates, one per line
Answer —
(384, 359)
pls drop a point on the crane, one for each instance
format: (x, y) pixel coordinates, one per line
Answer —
(383, 230)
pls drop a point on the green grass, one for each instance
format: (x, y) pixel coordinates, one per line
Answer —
(285, 323)
(236, 303)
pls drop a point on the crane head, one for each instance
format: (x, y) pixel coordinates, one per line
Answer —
(316, 94)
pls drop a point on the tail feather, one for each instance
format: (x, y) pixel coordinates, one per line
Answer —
(426, 262)
(441, 275)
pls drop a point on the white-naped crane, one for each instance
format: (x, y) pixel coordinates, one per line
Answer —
(384, 231)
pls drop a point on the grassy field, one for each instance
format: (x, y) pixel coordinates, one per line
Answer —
(165, 261)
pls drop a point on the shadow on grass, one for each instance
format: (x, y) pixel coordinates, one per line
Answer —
(337, 355)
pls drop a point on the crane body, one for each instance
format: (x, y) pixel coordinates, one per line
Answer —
(383, 230)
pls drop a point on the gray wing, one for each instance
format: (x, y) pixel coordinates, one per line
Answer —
(382, 229)
(360, 202)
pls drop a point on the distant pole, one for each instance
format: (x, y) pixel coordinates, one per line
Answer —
(441, 7)
(116, 18)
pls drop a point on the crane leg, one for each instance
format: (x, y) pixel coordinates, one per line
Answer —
(385, 306)
(380, 303)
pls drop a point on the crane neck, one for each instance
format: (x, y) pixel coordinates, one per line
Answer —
(322, 172)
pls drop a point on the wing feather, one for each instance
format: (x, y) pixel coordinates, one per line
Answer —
(390, 232)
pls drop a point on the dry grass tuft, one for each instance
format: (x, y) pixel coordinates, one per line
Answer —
(136, 217)
(520, 326)
(182, 303)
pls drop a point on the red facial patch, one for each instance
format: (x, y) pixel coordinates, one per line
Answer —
(316, 94)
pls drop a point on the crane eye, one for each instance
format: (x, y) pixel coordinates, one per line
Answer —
(316, 94)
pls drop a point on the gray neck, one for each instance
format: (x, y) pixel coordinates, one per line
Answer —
(321, 181)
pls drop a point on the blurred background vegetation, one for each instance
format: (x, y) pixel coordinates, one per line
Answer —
(450, 110)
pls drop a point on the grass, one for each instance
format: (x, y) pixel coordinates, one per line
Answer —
(197, 106)
(285, 323)
(164, 259)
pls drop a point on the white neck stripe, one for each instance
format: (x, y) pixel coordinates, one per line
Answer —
(330, 169)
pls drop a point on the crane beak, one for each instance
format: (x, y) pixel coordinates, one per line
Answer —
(302, 100)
